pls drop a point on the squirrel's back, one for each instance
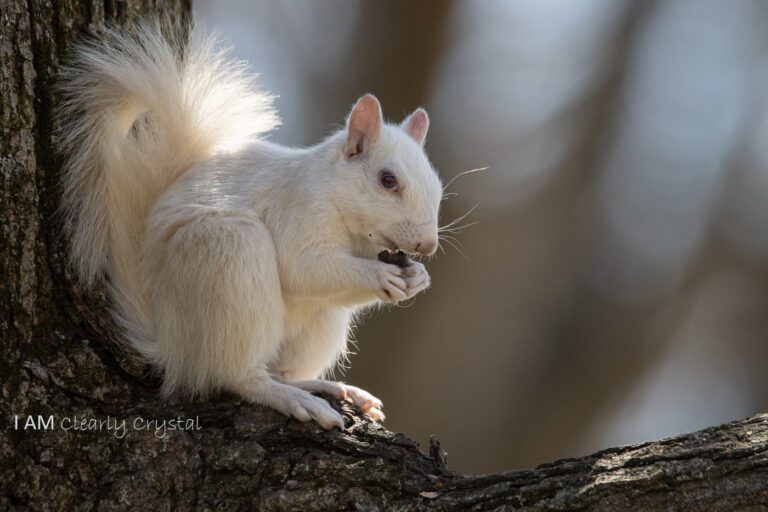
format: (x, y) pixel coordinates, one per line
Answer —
(140, 106)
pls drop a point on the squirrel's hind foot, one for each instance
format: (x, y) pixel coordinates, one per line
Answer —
(291, 401)
(369, 404)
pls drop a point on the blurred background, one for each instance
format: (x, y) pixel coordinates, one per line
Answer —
(615, 289)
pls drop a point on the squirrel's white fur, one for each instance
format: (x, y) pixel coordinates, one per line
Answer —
(232, 262)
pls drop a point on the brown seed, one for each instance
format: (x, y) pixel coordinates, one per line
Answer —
(399, 258)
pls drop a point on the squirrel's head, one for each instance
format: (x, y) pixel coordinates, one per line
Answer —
(395, 192)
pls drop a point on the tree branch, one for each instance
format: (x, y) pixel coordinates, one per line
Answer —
(245, 457)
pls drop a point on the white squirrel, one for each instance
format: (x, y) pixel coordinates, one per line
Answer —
(233, 263)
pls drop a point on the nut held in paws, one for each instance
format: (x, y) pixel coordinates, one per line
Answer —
(399, 258)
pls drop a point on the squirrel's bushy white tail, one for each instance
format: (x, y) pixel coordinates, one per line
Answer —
(140, 106)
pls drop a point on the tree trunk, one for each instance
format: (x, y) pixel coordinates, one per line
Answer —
(78, 409)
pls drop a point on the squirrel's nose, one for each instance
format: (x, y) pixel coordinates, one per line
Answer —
(426, 247)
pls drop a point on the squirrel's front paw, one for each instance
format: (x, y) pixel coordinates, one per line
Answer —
(390, 285)
(416, 278)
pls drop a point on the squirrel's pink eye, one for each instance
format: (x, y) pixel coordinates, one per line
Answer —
(387, 180)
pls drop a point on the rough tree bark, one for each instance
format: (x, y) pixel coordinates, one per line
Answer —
(61, 356)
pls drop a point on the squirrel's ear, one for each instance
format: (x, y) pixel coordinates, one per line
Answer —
(363, 125)
(416, 125)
